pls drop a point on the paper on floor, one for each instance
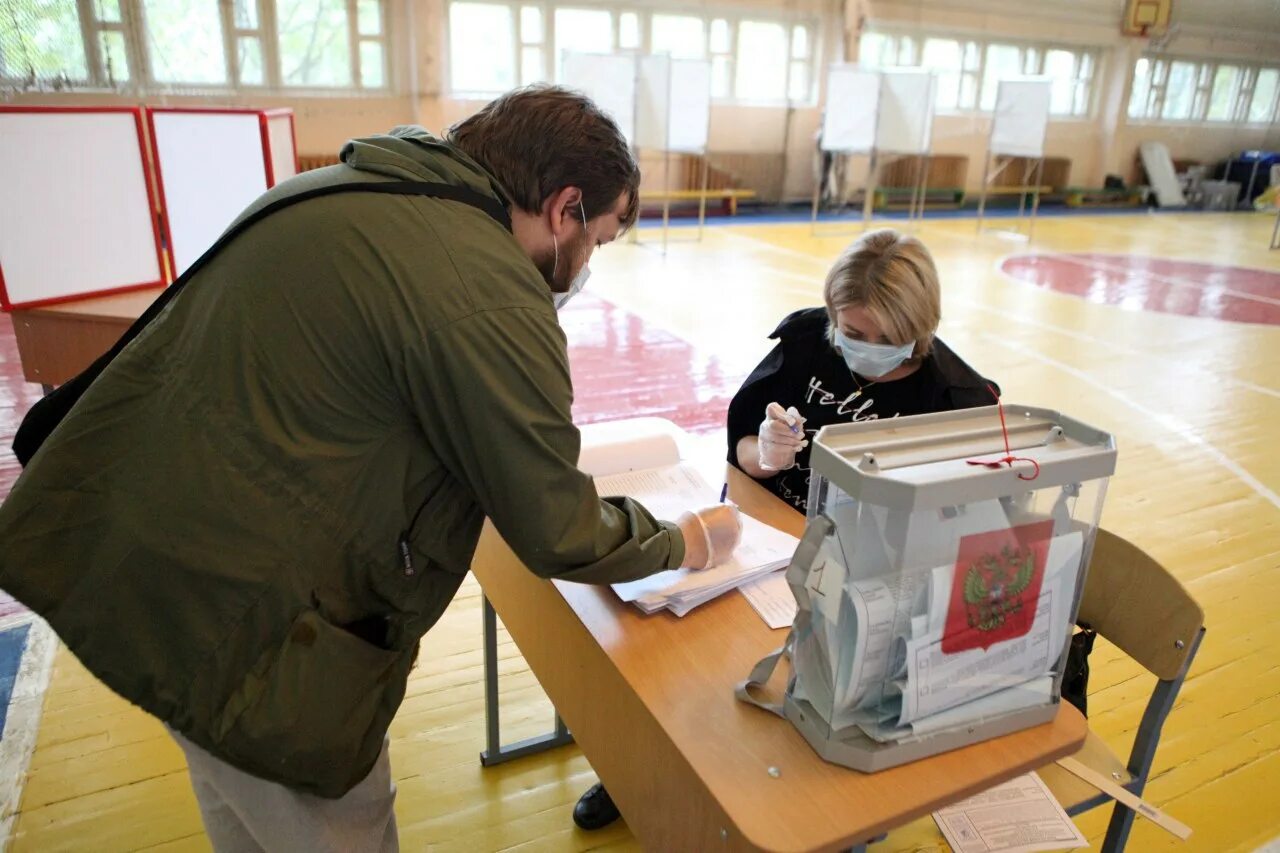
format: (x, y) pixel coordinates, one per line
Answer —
(1018, 816)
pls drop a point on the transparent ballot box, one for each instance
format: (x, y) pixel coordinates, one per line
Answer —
(938, 579)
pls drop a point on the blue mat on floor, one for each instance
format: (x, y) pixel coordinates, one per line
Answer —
(12, 644)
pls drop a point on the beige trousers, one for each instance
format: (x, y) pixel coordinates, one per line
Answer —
(245, 814)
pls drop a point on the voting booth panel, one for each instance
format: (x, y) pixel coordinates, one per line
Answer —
(905, 117)
(610, 81)
(210, 165)
(1018, 129)
(673, 115)
(938, 579)
(673, 104)
(690, 112)
(282, 143)
(78, 218)
(849, 119)
(1021, 118)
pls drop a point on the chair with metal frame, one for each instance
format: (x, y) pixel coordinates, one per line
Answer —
(1143, 610)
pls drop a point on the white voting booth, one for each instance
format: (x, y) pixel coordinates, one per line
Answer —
(1018, 129)
(673, 115)
(938, 580)
(78, 219)
(659, 103)
(210, 165)
(609, 80)
(881, 115)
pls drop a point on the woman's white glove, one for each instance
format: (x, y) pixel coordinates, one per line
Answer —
(781, 437)
(710, 535)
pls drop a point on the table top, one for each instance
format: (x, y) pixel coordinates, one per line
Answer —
(684, 671)
(124, 307)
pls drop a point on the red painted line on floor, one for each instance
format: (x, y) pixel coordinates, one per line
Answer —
(1136, 283)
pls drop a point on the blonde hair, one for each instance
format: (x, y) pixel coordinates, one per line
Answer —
(892, 276)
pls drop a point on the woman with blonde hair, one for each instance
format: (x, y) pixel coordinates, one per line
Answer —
(871, 352)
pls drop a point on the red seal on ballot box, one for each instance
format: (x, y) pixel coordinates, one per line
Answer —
(995, 586)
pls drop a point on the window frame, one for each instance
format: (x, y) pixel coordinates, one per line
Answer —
(1205, 73)
(141, 80)
(645, 12)
(1032, 54)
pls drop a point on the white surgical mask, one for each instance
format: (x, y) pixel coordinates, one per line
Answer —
(575, 287)
(872, 360)
(579, 280)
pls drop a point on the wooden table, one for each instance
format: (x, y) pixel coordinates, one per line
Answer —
(650, 701)
(56, 342)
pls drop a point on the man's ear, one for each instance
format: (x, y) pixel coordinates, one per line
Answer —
(561, 208)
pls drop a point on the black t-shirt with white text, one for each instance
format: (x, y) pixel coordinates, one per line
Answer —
(804, 370)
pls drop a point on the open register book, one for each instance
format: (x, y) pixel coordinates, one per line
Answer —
(641, 458)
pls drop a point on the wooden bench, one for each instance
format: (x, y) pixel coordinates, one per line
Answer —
(1101, 197)
(729, 197)
(1019, 190)
(889, 198)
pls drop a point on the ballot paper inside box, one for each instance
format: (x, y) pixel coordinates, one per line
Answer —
(938, 579)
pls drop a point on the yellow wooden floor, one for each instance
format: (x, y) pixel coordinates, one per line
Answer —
(1194, 404)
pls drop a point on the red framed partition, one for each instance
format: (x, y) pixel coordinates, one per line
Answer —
(264, 123)
(181, 248)
(7, 303)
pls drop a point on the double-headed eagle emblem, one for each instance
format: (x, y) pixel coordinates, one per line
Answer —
(994, 584)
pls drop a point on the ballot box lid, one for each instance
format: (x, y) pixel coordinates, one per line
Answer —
(950, 458)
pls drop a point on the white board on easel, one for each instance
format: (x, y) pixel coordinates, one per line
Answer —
(849, 118)
(904, 123)
(673, 104)
(653, 101)
(1021, 118)
(609, 80)
(690, 122)
(77, 219)
(210, 165)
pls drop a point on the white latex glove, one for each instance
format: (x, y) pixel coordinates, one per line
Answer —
(710, 535)
(781, 437)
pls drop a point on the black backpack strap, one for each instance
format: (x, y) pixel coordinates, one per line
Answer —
(49, 411)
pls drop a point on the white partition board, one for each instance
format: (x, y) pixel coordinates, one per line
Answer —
(690, 118)
(76, 218)
(653, 101)
(853, 101)
(905, 120)
(1021, 118)
(610, 81)
(211, 166)
(284, 154)
(673, 104)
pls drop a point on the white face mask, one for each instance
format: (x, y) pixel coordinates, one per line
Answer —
(579, 280)
(872, 360)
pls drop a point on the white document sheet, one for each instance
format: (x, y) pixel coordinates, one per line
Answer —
(666, 492)
(771, 598)
(936, 681)
(763, 549)
(1018, 816)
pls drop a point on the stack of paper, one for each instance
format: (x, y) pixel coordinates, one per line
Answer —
(771, 597)
(763, 550)
(669, 491)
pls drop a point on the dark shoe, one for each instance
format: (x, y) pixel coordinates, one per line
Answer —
(595, 809)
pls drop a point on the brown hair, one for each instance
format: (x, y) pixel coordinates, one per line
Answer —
(893, 277)
(540, 139)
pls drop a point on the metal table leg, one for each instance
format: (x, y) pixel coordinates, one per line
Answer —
(495, 752)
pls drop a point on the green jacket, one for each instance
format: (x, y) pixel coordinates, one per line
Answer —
(214, 529)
